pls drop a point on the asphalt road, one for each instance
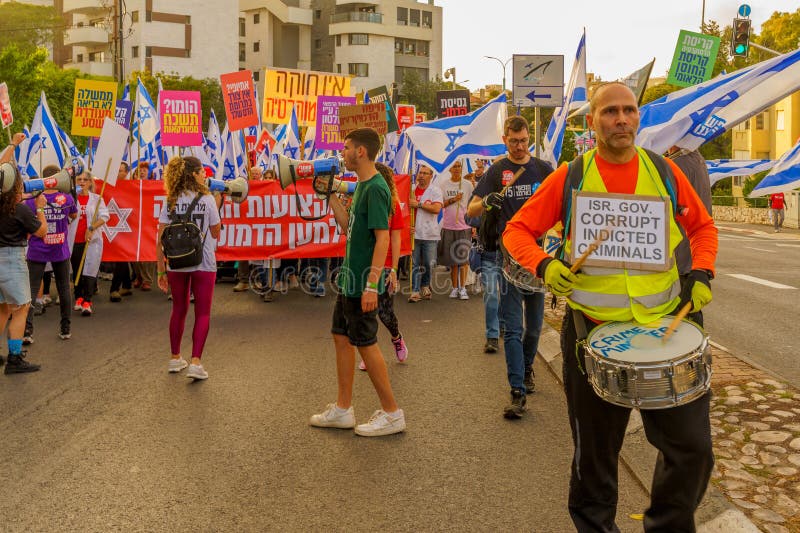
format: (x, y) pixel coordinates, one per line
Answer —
(104, 439)
(754, 319)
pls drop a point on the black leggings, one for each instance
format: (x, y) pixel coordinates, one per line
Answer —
(122, 276)
(61, 273)
(87, 284)
(386, 313)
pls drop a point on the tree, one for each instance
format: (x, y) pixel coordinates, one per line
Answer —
(422, 93)
(28, 26)
(780, 32)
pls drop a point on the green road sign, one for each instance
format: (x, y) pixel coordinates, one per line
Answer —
(693, 62)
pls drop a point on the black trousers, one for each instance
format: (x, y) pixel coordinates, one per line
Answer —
(87, 284)
(121, 277)
(61, 273)
(681, 434)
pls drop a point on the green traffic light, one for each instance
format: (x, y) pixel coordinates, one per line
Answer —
(741, 48)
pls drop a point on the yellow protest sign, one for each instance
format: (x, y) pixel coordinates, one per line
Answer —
(287, 88)
(363, 116)
(94, 101)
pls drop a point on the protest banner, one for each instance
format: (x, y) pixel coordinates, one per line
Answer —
(381, 94)
(123, 113)
(94, 101)
(110, 149)
(327, 132)
(452, 103)
(633, 231)
(406, 115)
(240, 99)
(6, 115)
(420, 117)
(694, 58)
(266, 225)
(181, 118)
(363, 116)
(287, 88)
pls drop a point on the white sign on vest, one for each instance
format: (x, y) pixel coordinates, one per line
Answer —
(631, 231)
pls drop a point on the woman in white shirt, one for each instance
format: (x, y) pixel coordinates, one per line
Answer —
(184, 180)
(85, 233)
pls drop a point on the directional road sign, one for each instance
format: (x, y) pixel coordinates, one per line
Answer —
(744, 10)
(538, 80)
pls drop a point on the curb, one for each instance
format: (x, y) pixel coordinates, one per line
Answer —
(638, 456)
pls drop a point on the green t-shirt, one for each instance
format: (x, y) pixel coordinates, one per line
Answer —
(369, 211)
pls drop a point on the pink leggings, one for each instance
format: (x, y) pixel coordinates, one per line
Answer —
(201, 284)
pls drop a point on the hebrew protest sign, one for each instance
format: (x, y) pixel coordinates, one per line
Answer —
(240, 99)
(93, 102)
(363, 116)
(694, 58)
(181, 118)
(327, 133)
(287, 88)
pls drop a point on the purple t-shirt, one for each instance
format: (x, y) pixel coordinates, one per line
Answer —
(54, 246)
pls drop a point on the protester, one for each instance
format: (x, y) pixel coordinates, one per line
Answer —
(184, 182)
(144, 270)
(522, 311)
(456, 233)
(426, 200)
(777, 203)
(53, 249)
(595, 295)
(85, 234)
(386, 298)
(355, 323)
(17, 221)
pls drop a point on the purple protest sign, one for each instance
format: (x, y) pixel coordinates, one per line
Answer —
(123, 113)
(327, 133)
(180, 118)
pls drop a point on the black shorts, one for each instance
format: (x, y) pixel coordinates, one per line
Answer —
(348, 319)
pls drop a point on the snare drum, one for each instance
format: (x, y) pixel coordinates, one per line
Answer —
(628, 364)
(519, 276)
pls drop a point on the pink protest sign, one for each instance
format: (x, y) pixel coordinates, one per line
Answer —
(181, 118)
(327, 134)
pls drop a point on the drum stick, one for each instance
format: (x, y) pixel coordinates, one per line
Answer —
(605, 234)
(510, 183)
(676, 321)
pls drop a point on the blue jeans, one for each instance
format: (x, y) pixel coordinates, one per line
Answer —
(317, 274)
(520, 341)
(424, 258)
(490, 278)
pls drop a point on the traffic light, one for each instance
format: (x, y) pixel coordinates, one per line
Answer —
(740, 40)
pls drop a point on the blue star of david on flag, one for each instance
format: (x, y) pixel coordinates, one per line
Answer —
(453, 138)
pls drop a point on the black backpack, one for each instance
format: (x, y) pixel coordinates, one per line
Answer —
(182, 240)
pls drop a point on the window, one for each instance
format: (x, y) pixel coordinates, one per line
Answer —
(423, 48)
(241, 27)
(134, 51)
(411, 47)
(256, 18)
(780, 120)
(762, 155)
(317, 44)
(255, 75)
(402, 16)
(414, 17)
(358, 38)
(358, 69)
(317, 14)
(427, 19)
(242, 52)
(134, 16)
(148, 51)
(338, 68)
(760, 121)
(79, 58)
(256, 46)
(338, 40)
(398, 46)
(148, 16)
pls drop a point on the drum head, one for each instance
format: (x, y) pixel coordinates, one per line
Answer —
(643, 343)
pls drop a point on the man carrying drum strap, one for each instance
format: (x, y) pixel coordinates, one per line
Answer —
(597, 295)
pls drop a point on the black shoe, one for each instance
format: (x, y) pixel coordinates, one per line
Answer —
(517, 408)
(65, 332)
(16, 364)
(38, 308)
(528, 381)
(27, 338)
(491, 346)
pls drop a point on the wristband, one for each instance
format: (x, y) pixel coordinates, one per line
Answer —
(370, 289)
(162, 273)
(40, 209)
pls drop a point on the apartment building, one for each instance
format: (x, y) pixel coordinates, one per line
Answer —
(769, 134)
(189, 37)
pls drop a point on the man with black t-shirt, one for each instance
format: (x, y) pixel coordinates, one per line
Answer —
(520, 343)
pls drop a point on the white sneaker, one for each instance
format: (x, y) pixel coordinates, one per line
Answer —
(333, 417)
(176, 365)
(462, 294)
(197, 372)
(454, 293)
(381, 423)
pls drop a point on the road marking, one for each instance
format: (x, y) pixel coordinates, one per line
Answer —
(789, 245)
(736, 238)
(762, 249)
(760, 281)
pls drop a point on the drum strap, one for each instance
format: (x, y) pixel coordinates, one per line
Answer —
(581, 335)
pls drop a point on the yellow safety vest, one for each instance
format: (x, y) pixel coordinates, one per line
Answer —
(624, 295)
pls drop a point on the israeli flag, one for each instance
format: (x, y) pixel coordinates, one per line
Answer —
(784, 177)
(724, 168)
(694, 115)
(575, 96)
(147, 126)
(440, 142)
(44, 148)
(71, 148)
(308, 143)
(291, 147)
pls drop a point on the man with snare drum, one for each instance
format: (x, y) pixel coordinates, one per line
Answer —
(620, 171)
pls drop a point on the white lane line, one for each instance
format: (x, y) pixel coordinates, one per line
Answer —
(736, 238)
(760, 281)
(761, 249)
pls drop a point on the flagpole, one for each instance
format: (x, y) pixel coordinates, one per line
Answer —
(94, 219)
(8, 130)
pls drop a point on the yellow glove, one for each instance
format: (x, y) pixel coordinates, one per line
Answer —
(701, 296)
(559, 278)
(696, 289)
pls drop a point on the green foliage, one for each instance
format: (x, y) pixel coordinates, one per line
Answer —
(780, 33)
(28, 26)
(568, 150)
(657, 91)
(750, 184)
(422, 93)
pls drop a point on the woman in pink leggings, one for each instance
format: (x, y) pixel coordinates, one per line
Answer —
(185, 181)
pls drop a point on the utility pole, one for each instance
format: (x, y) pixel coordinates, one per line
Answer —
(120, 47)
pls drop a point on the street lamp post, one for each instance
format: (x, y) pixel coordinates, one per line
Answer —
(502, 64)
(451, 72)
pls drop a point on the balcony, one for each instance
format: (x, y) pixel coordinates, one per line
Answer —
(95, 68)
(357, 16)
(91, 8)
(86, 36)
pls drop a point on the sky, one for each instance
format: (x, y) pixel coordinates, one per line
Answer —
(621, 35)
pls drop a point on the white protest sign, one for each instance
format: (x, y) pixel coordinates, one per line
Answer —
(633, 231)
(111, 147)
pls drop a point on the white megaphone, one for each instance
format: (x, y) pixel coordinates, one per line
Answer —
(8, 175)
(61, 181)
(290, 170)
(236, 188)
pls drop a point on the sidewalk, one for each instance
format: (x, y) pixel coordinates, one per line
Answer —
(754, 418)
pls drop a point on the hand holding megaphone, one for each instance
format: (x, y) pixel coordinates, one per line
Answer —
(325, 186)
(61, 181)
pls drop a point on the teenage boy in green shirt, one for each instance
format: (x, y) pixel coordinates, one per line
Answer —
(355, 316)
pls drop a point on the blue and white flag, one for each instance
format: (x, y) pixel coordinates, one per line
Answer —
(44, 148)
(725, 168)
(784, 177)
(575, 97)
(147, 125)
(213, 140)
(71, 148)
(694, 115)
(291, 147)
(440, 142)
